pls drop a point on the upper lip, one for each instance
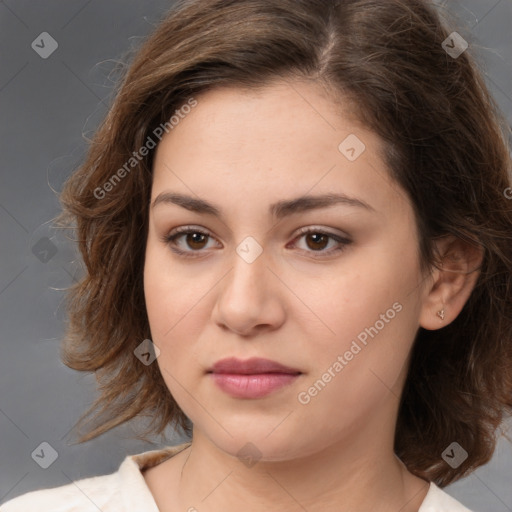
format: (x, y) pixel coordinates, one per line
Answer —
(255, 365)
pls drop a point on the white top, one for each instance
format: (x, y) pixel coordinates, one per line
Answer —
(126, 490)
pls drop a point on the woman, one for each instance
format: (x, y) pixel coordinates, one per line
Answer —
(297, 227)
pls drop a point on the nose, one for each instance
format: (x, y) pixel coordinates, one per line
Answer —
(250, 297)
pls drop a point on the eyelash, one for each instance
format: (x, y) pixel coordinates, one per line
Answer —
(171, 237)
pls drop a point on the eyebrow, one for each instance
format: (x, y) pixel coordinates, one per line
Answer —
(279, 210)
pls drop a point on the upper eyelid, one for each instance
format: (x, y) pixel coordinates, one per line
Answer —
(341, 239)
(301, 231)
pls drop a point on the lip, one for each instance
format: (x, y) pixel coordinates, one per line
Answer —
(254, 365)
(253, 378)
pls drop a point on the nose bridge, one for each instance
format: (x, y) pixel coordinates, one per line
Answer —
(250, 270)
(248, 296)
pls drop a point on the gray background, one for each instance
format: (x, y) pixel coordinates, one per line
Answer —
(47, 107)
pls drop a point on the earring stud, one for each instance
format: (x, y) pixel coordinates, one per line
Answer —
(440, 314)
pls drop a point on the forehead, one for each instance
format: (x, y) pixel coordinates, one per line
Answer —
(283, 140)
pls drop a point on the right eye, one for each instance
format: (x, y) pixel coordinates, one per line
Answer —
(195, 238)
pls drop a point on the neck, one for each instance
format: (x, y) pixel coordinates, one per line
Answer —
(356, 473)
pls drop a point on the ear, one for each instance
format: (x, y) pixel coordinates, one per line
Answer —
(452, 283)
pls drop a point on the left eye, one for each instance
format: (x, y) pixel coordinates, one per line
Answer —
(318, 240)
(315, 239)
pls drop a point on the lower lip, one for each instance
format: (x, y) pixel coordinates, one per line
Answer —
(252, 386)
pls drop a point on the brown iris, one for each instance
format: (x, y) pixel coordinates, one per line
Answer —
(319, 238)
(196, 238)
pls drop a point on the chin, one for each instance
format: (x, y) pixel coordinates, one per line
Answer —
(258, 445)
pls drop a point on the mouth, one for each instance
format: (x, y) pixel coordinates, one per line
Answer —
(253, 378)
(255, 365)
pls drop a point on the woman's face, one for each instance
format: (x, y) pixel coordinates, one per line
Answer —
(340, 305)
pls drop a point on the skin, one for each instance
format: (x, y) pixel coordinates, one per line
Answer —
(297, 303)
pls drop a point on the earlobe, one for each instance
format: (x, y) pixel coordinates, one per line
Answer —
(454, 280)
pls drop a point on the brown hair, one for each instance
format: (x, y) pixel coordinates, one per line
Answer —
(445, 145)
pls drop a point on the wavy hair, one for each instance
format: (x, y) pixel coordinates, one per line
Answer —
(446, 144)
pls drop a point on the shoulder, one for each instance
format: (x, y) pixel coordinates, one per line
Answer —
(124, 490)
(87, 494)
(438, 500)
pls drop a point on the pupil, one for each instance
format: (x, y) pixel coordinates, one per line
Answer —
(317, 236)
(195, 237)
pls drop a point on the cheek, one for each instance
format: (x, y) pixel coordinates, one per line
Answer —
(164, 310)
(352, 298)
(357, 370)
(369, 318)
(175, 305)
(171, 296)
(156, 297)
